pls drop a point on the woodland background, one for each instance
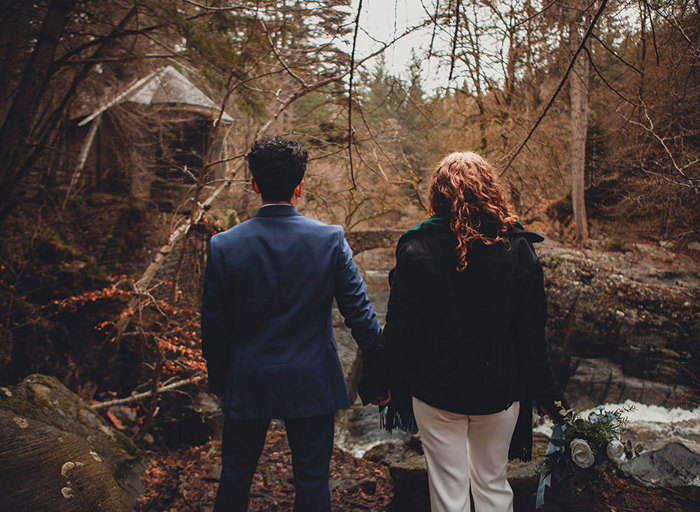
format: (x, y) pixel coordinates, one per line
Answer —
(587, 110)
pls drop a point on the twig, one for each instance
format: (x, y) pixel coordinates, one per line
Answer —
(653, 31)
(673, 22)
(454, 40)
(605, 81)
(352, 74)
(279, 57)
(616, 55)
(435, 25)
(146, 394)
(216, 9)
(661, 140)
(559, 87)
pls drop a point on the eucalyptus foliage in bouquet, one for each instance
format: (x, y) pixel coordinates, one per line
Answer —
(583, 451)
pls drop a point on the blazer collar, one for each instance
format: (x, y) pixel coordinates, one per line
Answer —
(277, 210)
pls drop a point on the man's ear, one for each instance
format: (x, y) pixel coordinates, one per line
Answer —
(255, 186)
(297, 190)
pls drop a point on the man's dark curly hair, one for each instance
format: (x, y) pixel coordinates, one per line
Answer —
(278, 165)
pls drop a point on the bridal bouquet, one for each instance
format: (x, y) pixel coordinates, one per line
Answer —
(583, 450)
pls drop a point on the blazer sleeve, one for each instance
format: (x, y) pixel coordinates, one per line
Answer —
(530, 317)
(216, 331)
(351, 296)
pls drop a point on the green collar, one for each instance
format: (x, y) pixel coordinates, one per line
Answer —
(437, 221)
(440, 220)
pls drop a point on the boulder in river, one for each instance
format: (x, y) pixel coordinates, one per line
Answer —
(673, 466)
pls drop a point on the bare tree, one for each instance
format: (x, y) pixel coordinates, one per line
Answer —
(579, 82)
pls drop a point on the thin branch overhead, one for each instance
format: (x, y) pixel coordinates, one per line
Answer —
(352, 73)
(454, 40)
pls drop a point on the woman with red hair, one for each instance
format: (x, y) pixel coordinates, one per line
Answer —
(464, 341)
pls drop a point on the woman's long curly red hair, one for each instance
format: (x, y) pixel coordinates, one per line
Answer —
(465, 187)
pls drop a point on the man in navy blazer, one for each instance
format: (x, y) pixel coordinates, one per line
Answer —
(267, 332)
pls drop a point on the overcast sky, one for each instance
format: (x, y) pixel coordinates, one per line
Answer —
(383, 20)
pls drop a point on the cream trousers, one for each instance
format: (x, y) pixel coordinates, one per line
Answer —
(461, 450)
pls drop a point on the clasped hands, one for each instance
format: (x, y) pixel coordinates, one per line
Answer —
(382, 400)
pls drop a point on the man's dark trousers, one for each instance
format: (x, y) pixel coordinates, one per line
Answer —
(311, 442)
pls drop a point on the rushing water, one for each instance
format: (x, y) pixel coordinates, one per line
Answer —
(652, 426)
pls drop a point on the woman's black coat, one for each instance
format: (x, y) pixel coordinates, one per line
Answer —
(470, 342)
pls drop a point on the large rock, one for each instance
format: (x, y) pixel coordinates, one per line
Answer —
(44, 399)
(47, 469)
(673, 466)
(410, 477)
(638, 309)
(599, 381)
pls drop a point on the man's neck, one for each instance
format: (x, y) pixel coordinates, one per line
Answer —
(268, 203)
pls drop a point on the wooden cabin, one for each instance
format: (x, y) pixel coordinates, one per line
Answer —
(155, 138)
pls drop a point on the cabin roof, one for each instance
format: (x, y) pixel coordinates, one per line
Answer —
(164, 86)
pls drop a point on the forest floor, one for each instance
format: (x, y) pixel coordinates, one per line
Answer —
(186, 480)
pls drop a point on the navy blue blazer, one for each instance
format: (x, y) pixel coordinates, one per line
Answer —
(267, 331)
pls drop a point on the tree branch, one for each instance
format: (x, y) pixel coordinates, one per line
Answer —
(146, 394)
(615, 54)
(454, 40)
(352, 73)
(278, 57)
(559, 87)
(679, 169)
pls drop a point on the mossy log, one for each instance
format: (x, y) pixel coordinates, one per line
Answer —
(46, 469)
(45, 399)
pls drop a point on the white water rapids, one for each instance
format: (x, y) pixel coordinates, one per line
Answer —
(652, 426)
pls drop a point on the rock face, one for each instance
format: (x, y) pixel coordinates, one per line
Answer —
(638, 310)
(48, 402)
(47, 469)
(599, 381)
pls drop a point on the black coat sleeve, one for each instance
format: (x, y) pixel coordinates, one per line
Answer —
(386, 366)
(530, 317)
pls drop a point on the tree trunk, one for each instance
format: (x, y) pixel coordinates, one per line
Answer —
(18, 122)
(578, 89)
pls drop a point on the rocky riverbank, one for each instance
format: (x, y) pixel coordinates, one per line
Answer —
(622, 326)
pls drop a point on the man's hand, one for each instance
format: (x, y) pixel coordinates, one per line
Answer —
(382, 400)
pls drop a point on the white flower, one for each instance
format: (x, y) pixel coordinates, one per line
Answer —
(616, 451)
(581, 453)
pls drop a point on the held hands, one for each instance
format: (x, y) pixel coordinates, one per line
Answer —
(552, 415)
(381, 401)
